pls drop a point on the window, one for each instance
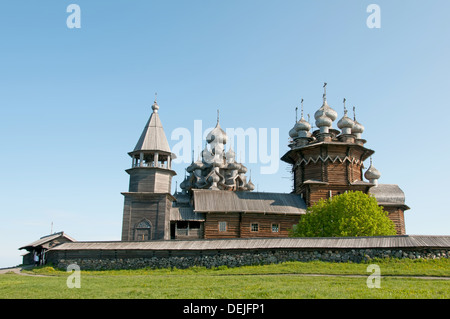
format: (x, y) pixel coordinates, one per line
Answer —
(222, 226)
(254, 227)
(275, 228)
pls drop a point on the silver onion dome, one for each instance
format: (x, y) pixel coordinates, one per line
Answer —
(323, 122)
(345, 123)
(325, 108)
(372, 174)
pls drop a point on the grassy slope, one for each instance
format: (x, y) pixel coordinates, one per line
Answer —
(269, 281)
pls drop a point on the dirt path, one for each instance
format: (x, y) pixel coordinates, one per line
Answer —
(18, 270)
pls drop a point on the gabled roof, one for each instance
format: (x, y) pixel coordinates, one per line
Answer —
(210, 201)
(48, 238)
(153, 137)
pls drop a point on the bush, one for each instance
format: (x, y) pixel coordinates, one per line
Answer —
(347, 215)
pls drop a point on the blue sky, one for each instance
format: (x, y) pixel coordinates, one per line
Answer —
(73, 102)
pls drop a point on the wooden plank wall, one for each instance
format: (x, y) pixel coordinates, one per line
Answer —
(155, 209)
(265, 225)
(150, 180)
(212, 225)
(239, 225)
(398, 217)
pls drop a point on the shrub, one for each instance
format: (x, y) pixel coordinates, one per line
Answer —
(347, 215)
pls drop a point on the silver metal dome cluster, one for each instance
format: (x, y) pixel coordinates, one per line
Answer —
(324, 118)
(350, 131)
(216, 169)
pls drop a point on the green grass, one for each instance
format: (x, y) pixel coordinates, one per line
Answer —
(286, 280)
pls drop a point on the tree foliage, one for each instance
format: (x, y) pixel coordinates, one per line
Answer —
(347, 215)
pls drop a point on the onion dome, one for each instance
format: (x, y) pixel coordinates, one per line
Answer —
(301, 128)
(185, 184)
(302, 125)
(230, 155)
(327, 110)
(217, 135)
(357, 129)
(233, 166)
(250, 185)
(242, 169)
(345, 123)
(293, 132)
(155, 107)
(323, 122)
(372, 174)
(198, 164)
(325, 115)
(207, 156)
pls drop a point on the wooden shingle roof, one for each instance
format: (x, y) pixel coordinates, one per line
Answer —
(381, 242)
(46, 239)
(185, 213)
(210, 201)
(389, 195)
(153, 137)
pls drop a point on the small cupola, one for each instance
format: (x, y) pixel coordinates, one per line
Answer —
(345, 124)
(372, 174)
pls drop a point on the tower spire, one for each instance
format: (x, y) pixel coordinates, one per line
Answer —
(155, 106)
(324, 91)
(301, 102)
(345, 109)
(296, 117)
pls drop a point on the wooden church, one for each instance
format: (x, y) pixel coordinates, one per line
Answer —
(218, 201)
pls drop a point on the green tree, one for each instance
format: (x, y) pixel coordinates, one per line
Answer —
(347, 215)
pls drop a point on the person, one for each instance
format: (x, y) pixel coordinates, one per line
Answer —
(36, 259)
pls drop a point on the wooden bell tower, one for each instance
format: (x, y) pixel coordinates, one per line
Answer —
(146, 214)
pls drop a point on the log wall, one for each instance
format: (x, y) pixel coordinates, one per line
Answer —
(239, 225)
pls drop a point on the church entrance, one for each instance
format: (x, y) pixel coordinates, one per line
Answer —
(142, 231)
